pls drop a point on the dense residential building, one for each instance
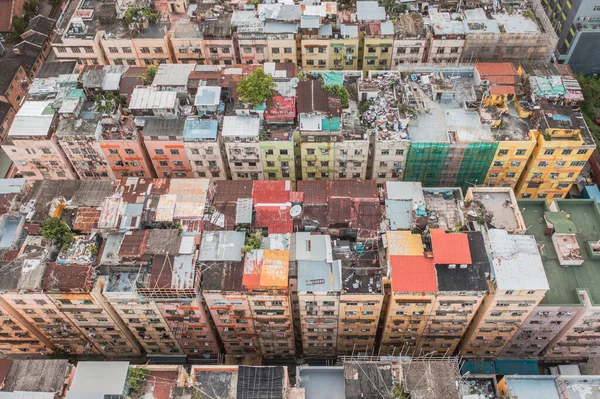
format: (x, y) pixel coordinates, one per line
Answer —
(35, 149)
(164, 143)
(564, 324)
(576, 26)
(78, 138)
(518, 285)
(242, 147)
(319, 286)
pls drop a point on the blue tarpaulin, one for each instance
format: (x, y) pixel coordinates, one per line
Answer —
(520, 367)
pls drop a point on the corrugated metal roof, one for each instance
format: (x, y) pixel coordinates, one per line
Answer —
(11, 186)
(266, 268)
(516, 262)
(271, 192)
(313, 247)
(240, 126)
(399, 213)
(148, 97)
(370, 11)
(222, 246)
(33, 119)
(243, 211)
(413, 274)
(276, 219)
(173, 74)
(319, 277)
(94, 380)
(450, 248)
(404, 243)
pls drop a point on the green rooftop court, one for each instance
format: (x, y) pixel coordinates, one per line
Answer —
(564, 281)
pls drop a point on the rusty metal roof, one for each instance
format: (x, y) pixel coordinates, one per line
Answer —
(86, 219)
(231, 190)
(68, 278)
(134, 244)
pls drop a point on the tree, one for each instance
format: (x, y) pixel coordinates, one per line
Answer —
(55, 2)
(256, 88)
(106, 103)
(136, 381)
(148, 77)
(19, 24)
(58, 232)
(339, 91)
(253, 241)
(590, 88)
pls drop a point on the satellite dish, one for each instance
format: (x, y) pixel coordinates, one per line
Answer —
(295, 211)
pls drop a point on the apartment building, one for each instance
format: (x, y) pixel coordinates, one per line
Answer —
(410, 38)
(203, 148)
(70, 285)
(518, 285)
(163, 139)
(222, 268)
(352, 156)
(30, 304)
(277, 144)
(266, 281)
(361, 299)
(315, 32)
(35, 150)
(563, 146)
(447, 40)
(564, 324)
(252, 39)
(576, 26)
(319, 118)
(19, 335)
(281, 26)
(78, 140)
(14, 84)
(345, 43)
(122, 145)
(143, 318)
(319, 286)
(219, 46)
(378, 45)
(242, 147)
(433, 315)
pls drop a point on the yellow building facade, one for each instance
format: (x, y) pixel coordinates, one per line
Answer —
(556, 161)
(278, 160)
(343, 54)
(509, 162)
(377, 53)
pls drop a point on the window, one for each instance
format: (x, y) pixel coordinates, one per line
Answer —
(310, 163)
(498, 163)
(225, 50)
(536, 176)
(270, 164)
(126, 49)
(554, 175)
(158, 151)
(322, 50)
(371, 50)
(543, 164)
(385, 152)
(61, 49)
(144, 50)
(163, 163)
(557, 195)
(322, 62)
(285, 164)
(382, 164)
(520, 152)
(198, 163)
(311, 175)
(310, 152)
(75, 49)
(502, 153)
(158, 50)
(560, 164)
(381, 175)
(399, 152)
(113, 151)
(310, 62)
(549, 152)
(178, 164)
(542, 195)
(275, 50)
(493, 174)
(454, 50)
(582, 152)
(567, 152)
(113, 49)
(510, 175)
(283, 152)
(578, 163)
(209, 151)
(174, 152)
(515, 164)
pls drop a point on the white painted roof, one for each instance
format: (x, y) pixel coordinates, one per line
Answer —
(29, 121)
(240, 126)
(149, 98)
(516, 262)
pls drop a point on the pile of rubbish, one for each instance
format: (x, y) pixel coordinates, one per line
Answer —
(383, 114)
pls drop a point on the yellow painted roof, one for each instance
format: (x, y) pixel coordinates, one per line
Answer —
(404, 243)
